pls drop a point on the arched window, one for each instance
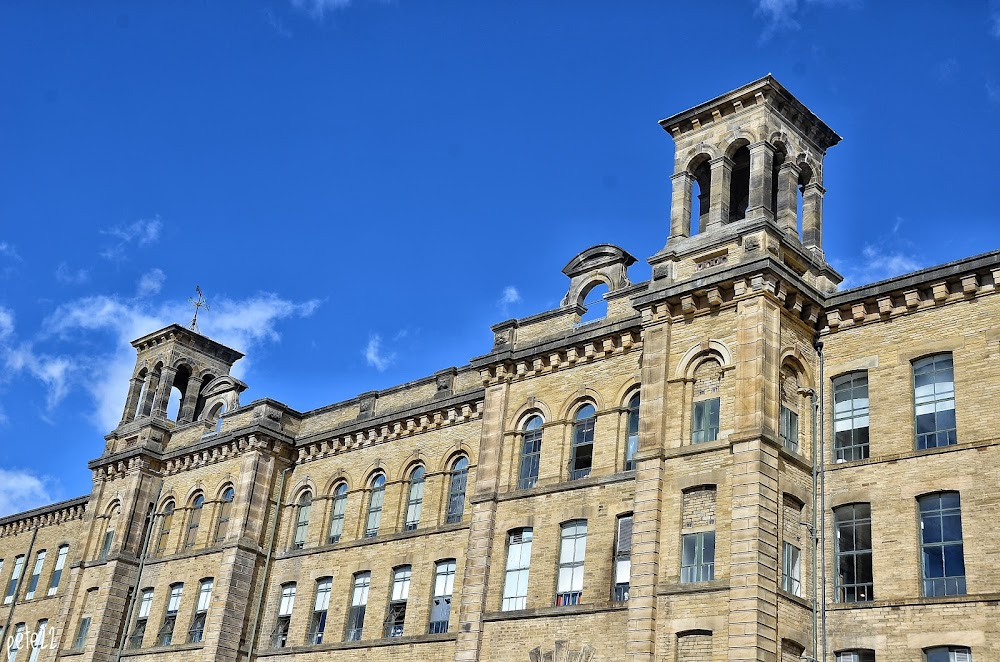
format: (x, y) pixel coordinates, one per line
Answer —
(194, 520)
(456, 489)
(165, 524)
(531, 453)
(632, 434)
(701, 191)
(337, 513)
(739, 187)
(225, 511)
(595, 303)
(302, 520)
(109, 532)
(376, 497)
(415, 498)
(582, 453)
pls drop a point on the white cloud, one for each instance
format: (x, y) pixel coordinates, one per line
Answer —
(22, 490)
(319, 8)
(150, 282)
(70, 277)
(8, 251)
(993, 92)
(374, 354)
(509, 296)
(877, 264)
(781, 14)
(6, 323)
(53, 371)
(143, 232)
(994, 18)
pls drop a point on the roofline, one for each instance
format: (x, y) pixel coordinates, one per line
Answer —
(42, 510)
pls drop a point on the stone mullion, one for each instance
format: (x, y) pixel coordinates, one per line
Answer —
(812, 216)
(722, 175)
(167, 375)
(787, 211)
(134, 391)
(186, 414)
(761, 176)
(152, 384)
(680, 207)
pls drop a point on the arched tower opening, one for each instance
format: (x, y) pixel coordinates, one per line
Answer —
(739, 181)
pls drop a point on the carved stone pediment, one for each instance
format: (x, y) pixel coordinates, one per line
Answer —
(604, 263)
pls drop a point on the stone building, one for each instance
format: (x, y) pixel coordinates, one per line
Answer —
(640, 487)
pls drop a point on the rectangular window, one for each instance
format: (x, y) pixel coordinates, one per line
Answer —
(623, 558)
(38, 640)
(320, 609)
(197, 631)
(35, 574)
(789, 429)
(853, 524)
(139, 631)
(573, 547)
(698, 557)
(279, 637)
(109, 538)
(705, 421)
(515, 584)
(856, 656)
(57, 572)
(934, 401)
(444, 586)
(15, 576)
(791, 569)
(941, 544)
(396, 616)
(80, 640)
(632, 438)
(166, 634)
(850, 417)
(948, 654)
(16, 641)
(359, 601)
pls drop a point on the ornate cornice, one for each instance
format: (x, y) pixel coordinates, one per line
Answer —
(57, 513)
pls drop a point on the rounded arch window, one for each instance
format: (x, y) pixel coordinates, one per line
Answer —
(376, 498)
(302, 520)
(582, 452)
(632, 433)
(194, 520)
(531, 452)
(456, 489)
(337, 510)
(225, 512)
(414, 498)
(166, 523)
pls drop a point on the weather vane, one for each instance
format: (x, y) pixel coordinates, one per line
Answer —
(198, 305)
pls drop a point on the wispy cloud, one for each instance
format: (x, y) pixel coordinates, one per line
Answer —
(375, 354)
(22, 490)
(8, 251)
(9, 258)
(509, 296)
(6, 323)
(945, 70)
(319, 8)
(276, 23)
(68, 276)
(993, 92)
(150, 283)
(781, 15)
(993, 19)
(143, 232)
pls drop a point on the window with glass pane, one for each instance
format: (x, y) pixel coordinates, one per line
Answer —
(856, 656)
(279, 636)
(225, 511)
(941, 544)
(948, 654)
(623, 558)
(789, 429)
(57, 570)
(35, 574)
(934, 401)
(359, 600)
(302, 520)
(318, 624)
(197, 631)
(850, 416)
(194, 521)
(15, 642)
(531, 453)
(855, 581)
(15, 577)
(142, 619)
(414, 499)
(705, 421)
(456, 489)
(375, 498)
(572, 549)
(165, 524)
(632, 438)
(80, 640)
(337, 513)
(791, 569)
(396, 615)
(444, 586)
(698, 557)
(582, 451)
(515, 584)
(38, 640)
(166, 633)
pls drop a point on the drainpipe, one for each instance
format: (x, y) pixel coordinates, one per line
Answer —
(267, 565)
(813, 533)
(138, 577)
(17, 589)
(822, 502)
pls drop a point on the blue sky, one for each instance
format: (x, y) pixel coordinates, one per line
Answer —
(361, 188)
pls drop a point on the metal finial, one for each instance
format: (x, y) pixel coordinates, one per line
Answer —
(198, 305)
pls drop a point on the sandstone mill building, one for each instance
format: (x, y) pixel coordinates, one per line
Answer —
(738, 462)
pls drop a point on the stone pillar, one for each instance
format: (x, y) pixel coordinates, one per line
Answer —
(787, 212)
(476, 577)
(167, 375)
(680, 204)
(722, 175)
(812, 216)
(134, 391)
(152, 382)
(761, 180)
(186, 414)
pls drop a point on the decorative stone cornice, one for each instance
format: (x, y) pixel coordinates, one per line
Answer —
(57, 513)
(190, 339)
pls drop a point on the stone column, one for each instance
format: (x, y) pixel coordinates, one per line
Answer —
(812, 216)
(680, 204)
(718, 210)
(167, 375)
(186, 414)
(134, 391)
(787, 212)
(152, 383)
(761, 180)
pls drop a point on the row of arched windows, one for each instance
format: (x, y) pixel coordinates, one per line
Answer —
(190, 524)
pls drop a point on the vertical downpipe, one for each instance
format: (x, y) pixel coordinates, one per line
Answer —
(813, 533)
(822, 499)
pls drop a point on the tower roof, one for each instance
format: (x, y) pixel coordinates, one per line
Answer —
(187, 337)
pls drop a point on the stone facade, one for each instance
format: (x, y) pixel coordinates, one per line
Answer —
(737, 463)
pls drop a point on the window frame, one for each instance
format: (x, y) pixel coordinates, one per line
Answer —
(622, 555)
(225, 513)
(358, 604)
(283, 618)
(936, 397)
(61, 555)
(791, 569)
(166, 522)
(632, 433)
(321, 610)
(582, 436)
(443, 592)
(194, 521)
(848, 415)
(530, 456)
(303, 513)
(945, 584)
(36, 574)
(704, 413)
(697, 569)
(457, 488)
(196, 632)
(415, 498)
(854, 555)
(788, 429)
(517, 568)
(399, 595)
(376, 502)
(570, 573)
